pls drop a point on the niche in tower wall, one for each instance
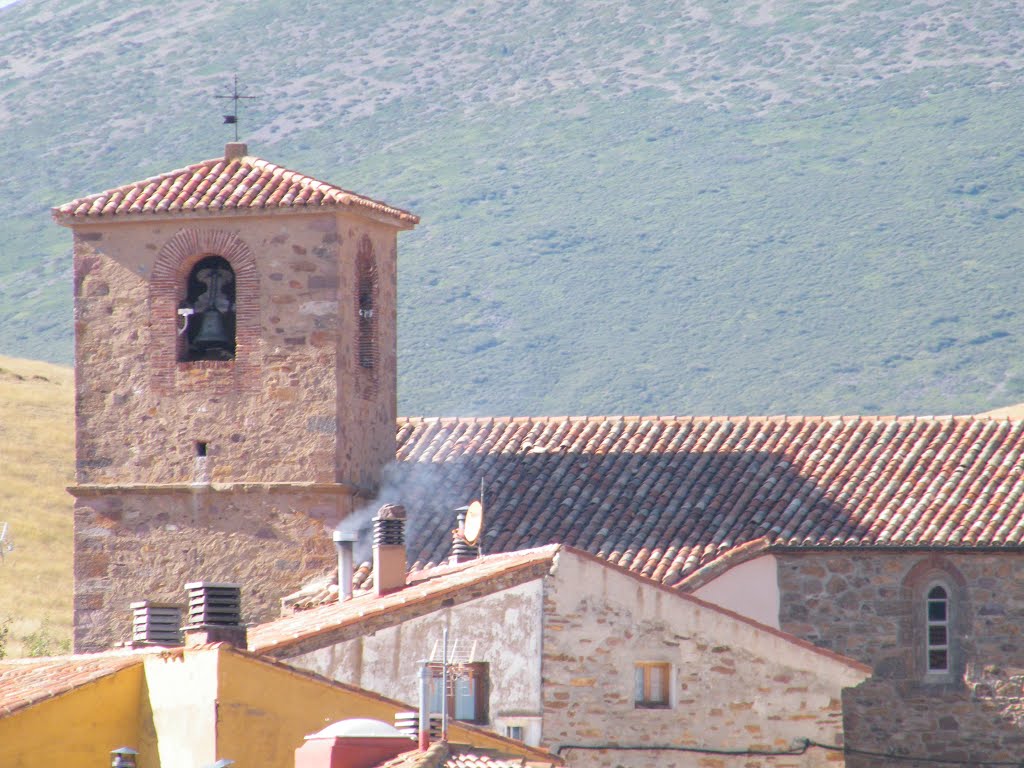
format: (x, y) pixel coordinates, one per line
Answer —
(210, 295)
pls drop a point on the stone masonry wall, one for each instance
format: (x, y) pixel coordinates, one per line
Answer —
(294, 427)
(292, 405)
(870, 605)
(735, 686)
(146, 545)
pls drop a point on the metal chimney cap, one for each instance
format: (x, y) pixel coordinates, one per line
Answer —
(339, 537)
(207, 584)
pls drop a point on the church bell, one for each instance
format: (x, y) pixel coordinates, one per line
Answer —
(212, 334)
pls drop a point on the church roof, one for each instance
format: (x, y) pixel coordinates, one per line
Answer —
(665, 496)
(233, 183)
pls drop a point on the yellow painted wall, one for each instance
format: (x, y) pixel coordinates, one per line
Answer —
(266, 711)
(78, 729)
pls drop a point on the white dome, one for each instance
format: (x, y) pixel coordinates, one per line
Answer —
(359, 727)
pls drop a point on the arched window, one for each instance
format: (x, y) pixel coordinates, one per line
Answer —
(366, 346)
(208, 312)
(937, 634)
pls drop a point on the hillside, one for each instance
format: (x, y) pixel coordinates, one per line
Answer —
(36, 464)
(627, 206)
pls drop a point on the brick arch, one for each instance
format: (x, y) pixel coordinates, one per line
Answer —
(167, 281)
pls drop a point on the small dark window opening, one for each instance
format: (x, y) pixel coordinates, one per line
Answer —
(937, 629)
(200, 448)
(367, 353)
(210, 294)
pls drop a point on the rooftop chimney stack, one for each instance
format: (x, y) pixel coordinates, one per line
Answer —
(389, 549)
(462, 551)
(156, 623)
(344, 542)
(214, 614)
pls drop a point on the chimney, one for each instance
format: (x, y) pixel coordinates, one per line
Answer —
(462, 551)
(343, 542)
(214, 614)
(235, 150)
(389, 549)
(156, 623)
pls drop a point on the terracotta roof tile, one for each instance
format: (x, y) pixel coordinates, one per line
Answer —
(446, 585)
(665, 496)
(425, 587)
(24, 682)
(444, 755)
(223, 186)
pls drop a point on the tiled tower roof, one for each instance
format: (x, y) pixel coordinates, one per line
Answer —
(234, 183)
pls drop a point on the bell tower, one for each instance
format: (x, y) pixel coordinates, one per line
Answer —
(235, 374)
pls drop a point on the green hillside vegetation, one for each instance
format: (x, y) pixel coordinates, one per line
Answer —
(628, 207)
(36, 465)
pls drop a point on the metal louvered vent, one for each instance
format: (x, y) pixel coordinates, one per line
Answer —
(389, 526)
(156, 623)
(409, 724)
(212, 604)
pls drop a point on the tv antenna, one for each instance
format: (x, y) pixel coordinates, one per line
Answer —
(6, 545)
(235, 96)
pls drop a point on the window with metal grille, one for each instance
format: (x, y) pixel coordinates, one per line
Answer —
(937, 630)
(652, 681)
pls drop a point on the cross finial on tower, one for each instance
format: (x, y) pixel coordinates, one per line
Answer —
(232, 118)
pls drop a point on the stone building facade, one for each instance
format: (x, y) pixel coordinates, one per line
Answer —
(230, 464)
(872, 606)
(565, 639)
(223, 450)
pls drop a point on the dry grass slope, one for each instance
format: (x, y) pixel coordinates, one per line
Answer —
(36, 465)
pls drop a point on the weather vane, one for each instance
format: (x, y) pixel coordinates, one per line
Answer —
(232, 119)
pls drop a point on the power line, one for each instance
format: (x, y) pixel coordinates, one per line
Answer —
(804, 745)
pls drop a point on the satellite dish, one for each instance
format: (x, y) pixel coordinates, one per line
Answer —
(474, 524)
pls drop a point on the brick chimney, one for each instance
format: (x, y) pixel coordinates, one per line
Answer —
(235, 150)
(389, 549)
(214, 614)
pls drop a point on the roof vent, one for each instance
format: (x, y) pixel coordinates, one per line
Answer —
(389, 549)
(214, 614)
(462, 549)
(156, 623)
(235, 150)
(409, 724)
(344, 542)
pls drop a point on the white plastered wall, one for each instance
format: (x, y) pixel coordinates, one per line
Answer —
(504, 628)
(750, 589)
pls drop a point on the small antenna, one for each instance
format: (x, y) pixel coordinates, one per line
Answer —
(232, 119)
